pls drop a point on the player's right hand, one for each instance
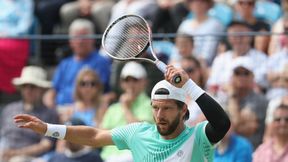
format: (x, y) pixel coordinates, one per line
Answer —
(172, 71)
(30, 122)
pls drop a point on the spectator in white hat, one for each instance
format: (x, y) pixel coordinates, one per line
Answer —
(24, 144)
(240, 47)
(248, 108)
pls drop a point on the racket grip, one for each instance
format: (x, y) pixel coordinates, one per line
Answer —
(162, 66)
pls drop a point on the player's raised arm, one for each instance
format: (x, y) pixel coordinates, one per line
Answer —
(83, 135)
(219, 123)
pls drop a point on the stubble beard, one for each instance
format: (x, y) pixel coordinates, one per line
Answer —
(171, 127)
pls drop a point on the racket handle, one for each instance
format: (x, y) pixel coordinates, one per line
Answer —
(162, 66)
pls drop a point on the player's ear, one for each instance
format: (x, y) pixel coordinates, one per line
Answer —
(185, 112)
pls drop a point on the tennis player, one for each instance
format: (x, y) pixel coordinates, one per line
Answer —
(167, 140)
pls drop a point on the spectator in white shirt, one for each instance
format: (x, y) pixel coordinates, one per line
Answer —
(241, 47)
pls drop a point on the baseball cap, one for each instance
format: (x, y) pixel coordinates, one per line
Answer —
(133, 69)
(165, 90)
(244, 62)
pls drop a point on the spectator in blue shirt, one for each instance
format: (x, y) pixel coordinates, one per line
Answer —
(233, 148)
(84, 55)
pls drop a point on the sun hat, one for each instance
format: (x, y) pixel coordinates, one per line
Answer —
(32, 75)
(169, 92)
(133, 69)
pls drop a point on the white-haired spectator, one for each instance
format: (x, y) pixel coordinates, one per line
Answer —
(84, 55)
(275, 148)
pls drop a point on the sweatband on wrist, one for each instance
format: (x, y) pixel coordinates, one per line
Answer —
(193, 90)
(56, 131)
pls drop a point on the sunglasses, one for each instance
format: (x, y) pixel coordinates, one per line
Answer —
(278, 119)
(189, 70)
(248, 3)
(242, 72)
(128, 79)
(88, 83)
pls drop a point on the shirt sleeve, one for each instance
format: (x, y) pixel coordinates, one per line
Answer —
(122, 136)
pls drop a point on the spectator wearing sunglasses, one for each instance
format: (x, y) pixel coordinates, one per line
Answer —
(134, 105)
(275, 149)
(247, 107)
(273, 104)
(87, 106)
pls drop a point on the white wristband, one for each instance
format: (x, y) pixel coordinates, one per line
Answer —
(193, 90)
(56, 131)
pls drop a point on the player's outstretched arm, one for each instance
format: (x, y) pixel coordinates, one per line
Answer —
(83, 135)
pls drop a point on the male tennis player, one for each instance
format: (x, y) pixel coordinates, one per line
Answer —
(167, 140)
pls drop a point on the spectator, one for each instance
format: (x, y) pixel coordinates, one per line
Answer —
(277, 73)
(16, 18)
(169, 15)
(244, 11)
(144, 8)
(241, 47)
(47, 13)
(84, 55)
(184, 45)
(133, 106)
(205, 45)
(273, 104)
(98, 11)
(75, 152)
(275, 149)
(275, 44)
(247, 108)
(88, 99)
(25, 144)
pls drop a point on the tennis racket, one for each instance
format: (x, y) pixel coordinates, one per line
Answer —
(127, 38)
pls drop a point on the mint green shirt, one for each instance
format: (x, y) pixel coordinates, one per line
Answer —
(114, 117)
(147, 145)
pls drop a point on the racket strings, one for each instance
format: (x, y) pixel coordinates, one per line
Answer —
(127, 38)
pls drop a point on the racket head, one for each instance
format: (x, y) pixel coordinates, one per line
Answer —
(126, 37)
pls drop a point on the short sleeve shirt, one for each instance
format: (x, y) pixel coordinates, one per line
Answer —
(147, 145)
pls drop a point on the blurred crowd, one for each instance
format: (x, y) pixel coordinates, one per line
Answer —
(237, 50)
